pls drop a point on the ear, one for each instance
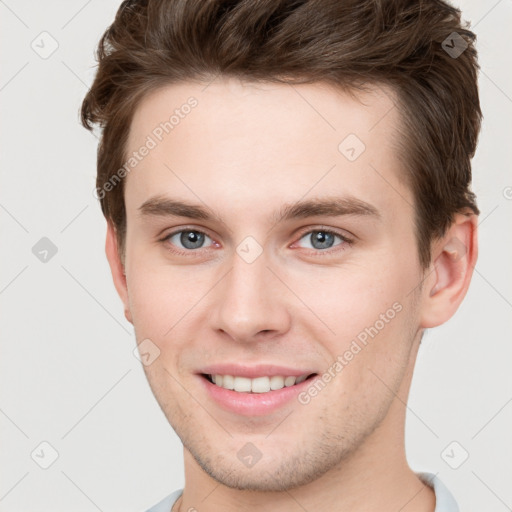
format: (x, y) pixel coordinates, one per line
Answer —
(454, 257)
(117, 269)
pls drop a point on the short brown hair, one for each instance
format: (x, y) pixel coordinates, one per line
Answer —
(418, 48)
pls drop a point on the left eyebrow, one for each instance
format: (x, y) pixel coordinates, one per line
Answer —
(328, 207)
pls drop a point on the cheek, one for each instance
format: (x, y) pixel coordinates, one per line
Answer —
(158, 298)
(364, 318)
(369, 360)
(348, 299)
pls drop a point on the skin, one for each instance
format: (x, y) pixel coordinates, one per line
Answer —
(245, 151)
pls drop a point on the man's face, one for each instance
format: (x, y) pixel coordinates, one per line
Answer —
(250, 286)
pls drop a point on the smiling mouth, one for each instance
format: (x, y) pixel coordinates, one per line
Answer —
(260, 385)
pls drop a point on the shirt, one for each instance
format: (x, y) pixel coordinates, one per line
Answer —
(445, 502)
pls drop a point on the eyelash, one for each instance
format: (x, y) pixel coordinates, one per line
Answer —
(317, 252)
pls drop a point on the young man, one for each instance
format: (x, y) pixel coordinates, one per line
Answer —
(287, 190)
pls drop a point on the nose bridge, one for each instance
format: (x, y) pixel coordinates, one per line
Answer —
(249, 299)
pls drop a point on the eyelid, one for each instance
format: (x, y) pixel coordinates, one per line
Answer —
(346, 240)
(182, 252)
(175, 231)
(341, 233)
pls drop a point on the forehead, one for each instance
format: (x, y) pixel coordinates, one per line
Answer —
(245, 142)
(236, 108)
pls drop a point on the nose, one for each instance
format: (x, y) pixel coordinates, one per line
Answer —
(249, 303)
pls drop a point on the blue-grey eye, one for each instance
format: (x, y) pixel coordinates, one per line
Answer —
(321, 239)
(189, 239)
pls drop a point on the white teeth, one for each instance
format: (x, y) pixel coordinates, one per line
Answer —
(260, 385)
(242, 384)
(228, 382)
(276, 382)
(289, 381)
(257, 385)
(300, 379)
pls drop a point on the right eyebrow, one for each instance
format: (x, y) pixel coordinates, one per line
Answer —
(164, 206)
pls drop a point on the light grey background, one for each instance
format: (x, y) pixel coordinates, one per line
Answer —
(68, 374)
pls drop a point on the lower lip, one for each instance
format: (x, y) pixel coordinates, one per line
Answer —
(253, 404)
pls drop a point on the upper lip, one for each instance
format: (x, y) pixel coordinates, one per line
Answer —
(251, 372)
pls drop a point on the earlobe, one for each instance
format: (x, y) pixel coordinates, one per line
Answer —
(454, 258)
(117, 269)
